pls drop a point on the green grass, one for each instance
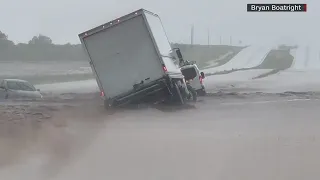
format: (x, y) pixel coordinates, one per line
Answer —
(274, 71)
(277, 59)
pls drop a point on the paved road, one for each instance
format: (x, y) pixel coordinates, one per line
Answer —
(248, 57)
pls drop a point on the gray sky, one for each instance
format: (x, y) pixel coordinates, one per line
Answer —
(63, 20)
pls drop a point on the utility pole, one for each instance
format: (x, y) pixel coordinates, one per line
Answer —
(208, 37)
(220, 40)
(192, 32)
(307, 56)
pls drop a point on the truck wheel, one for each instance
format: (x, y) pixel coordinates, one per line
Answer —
(108, 107)
(193, 93)
(178, 96)
(202, 92)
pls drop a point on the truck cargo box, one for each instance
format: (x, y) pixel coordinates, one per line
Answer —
(127, 52)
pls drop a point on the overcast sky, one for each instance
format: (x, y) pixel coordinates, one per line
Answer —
(63, 20)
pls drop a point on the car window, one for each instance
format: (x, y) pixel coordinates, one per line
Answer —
(189, 73)
(26, 86)
(12, 85)
(20, 86)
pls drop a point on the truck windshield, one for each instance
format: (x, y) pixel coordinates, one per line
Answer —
(189, 73)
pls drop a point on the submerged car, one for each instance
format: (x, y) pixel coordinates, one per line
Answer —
(18, 89)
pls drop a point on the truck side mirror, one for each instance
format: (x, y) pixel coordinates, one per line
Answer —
(178, 52)
(202, 75)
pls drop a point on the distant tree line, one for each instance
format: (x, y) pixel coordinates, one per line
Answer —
(39, 48)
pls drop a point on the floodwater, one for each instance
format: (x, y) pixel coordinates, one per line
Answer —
(246, 128)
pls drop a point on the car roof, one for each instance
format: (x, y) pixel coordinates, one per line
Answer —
(15, 80)
(189, 66)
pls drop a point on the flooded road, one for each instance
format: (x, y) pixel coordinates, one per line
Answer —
(247, 128)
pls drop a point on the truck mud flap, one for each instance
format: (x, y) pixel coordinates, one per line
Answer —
(176, 95)
(179, 95)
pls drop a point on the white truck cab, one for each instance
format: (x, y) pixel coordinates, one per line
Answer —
(194, 77)
(191, 73)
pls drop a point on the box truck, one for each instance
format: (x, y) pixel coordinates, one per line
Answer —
(130, 58)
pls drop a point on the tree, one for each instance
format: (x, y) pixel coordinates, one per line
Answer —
(40, 39)
(4, 41)
(3, 36)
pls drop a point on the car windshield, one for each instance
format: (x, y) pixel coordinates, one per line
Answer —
(23, 86)
(189, 73)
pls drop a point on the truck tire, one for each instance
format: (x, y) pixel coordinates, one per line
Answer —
(193, 93)
(201, 92)
(106, 104)
(110, 109)
(177, 94)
